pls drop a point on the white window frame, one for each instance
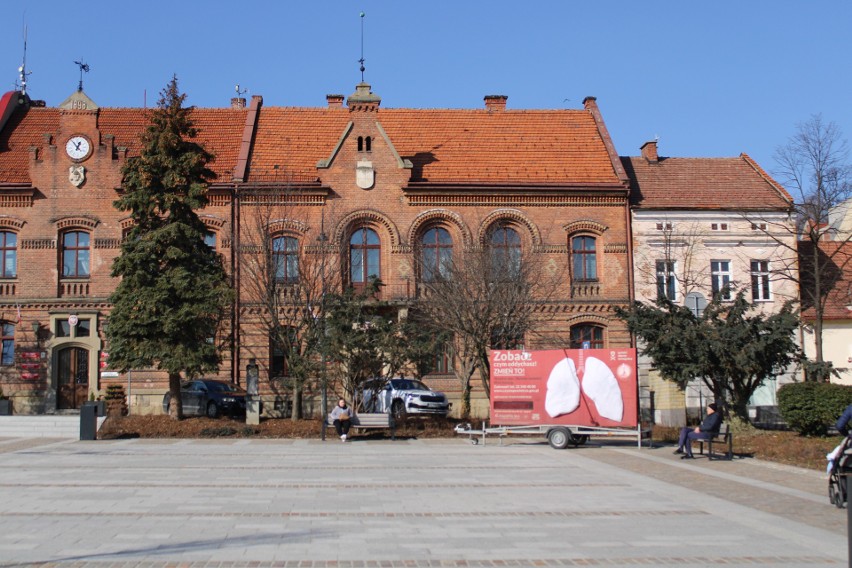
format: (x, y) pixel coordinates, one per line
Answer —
(761, 283)
(717, 277)
(669, 274)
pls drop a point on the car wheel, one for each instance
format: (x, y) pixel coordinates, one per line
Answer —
(212, 410)
(559, 438)
(398, 411)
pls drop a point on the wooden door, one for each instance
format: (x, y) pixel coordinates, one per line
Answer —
(72, 378)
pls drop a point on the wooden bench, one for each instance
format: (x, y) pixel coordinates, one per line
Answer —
(724, 436)
(371, 421)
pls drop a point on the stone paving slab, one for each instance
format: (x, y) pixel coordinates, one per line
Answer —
(404, 503)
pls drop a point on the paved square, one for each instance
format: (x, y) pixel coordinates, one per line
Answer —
(404, 503)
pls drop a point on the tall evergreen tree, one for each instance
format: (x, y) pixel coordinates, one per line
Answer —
(174, 289)
(732, 347)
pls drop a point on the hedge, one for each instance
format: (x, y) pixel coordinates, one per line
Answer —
(812, 408)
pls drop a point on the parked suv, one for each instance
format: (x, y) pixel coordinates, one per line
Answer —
(401, 397)
(209, 397)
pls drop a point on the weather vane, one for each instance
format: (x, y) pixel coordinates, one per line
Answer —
(362, 60)
(83, 67)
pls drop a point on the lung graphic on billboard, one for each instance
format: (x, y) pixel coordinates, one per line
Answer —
(587, 387)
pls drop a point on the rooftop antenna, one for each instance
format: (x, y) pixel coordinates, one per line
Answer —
(362, 60)
(83, 67)
(22, 70)
(240, 92)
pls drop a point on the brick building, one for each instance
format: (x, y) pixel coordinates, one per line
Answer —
(370, 184)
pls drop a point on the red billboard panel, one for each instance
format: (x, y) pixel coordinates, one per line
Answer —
(585, 387)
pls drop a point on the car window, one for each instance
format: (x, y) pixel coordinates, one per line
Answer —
(199, 386)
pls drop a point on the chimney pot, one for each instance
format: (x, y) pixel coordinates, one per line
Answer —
(238, 102)
(335, 101)
(649, 151)
(495, 102)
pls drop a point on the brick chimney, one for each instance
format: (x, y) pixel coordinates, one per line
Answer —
(649, 151)
(495, 102)
(335, 101)
(238, 102)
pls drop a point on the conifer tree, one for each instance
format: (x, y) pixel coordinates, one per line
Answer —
(174, 289)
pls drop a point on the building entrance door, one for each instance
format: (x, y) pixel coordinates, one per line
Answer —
(73, 378)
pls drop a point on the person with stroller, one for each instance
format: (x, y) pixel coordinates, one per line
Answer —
(843, 422)
(708, 428)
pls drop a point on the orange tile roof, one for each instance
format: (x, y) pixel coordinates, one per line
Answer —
(836, 261)
(446, 146)
(219, 131)
(24, 130)
(703, 183)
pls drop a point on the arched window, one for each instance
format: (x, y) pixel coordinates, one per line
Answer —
(8, 254)
(436, 254)
(8, 337)
(585, 261)
(75, 254)
(360, 143)
(364, 252)
(285, 259)
(368, 144)
(505, 253)
(587, 336)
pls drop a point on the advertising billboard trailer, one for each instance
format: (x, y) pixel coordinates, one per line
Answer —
(566, 394)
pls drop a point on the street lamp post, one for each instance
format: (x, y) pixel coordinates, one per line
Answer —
(322, 238)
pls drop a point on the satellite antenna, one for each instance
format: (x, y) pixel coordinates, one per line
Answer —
(22, 70)
(83, 67)
(362, 60)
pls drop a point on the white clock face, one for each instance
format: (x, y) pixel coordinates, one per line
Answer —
(77, 148)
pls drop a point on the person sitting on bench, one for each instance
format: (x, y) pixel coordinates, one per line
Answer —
(708, 428)
(341, 417)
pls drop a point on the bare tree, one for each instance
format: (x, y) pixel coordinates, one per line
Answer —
(286, 267)
(814, 167)
(484, 299)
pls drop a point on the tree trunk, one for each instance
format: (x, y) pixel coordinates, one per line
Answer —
(296, 413)
(175, 401)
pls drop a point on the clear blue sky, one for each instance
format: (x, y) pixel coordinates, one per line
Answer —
(709, 78)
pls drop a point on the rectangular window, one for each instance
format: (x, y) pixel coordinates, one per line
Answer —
(8, 356)
(719, 226)
(8, 254)
(585, 258)
(720, 273)
(760, 291)
(664, 226)
(758, 226)
(442, 365)
(666, 283)
(63, 328)
(83, 328)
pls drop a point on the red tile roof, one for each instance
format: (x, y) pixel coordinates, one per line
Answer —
(835, 260)
(703, 183)
(446, 146)
(219, 131)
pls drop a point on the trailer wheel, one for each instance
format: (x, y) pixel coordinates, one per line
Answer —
(474, 441)
(580, 440)
(559, 438)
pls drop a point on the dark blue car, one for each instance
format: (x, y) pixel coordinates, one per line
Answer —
(208, 397)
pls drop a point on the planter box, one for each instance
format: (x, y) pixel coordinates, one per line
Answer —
(5, 407)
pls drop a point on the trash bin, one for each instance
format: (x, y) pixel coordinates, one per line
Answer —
(89, 421)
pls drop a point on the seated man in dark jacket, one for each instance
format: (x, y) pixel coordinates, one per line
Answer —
(843, 424)
(707, 429)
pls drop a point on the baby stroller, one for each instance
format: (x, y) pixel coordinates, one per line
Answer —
(839, 466)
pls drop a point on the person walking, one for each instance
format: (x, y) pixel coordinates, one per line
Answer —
(708, 428)
(342, 417)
